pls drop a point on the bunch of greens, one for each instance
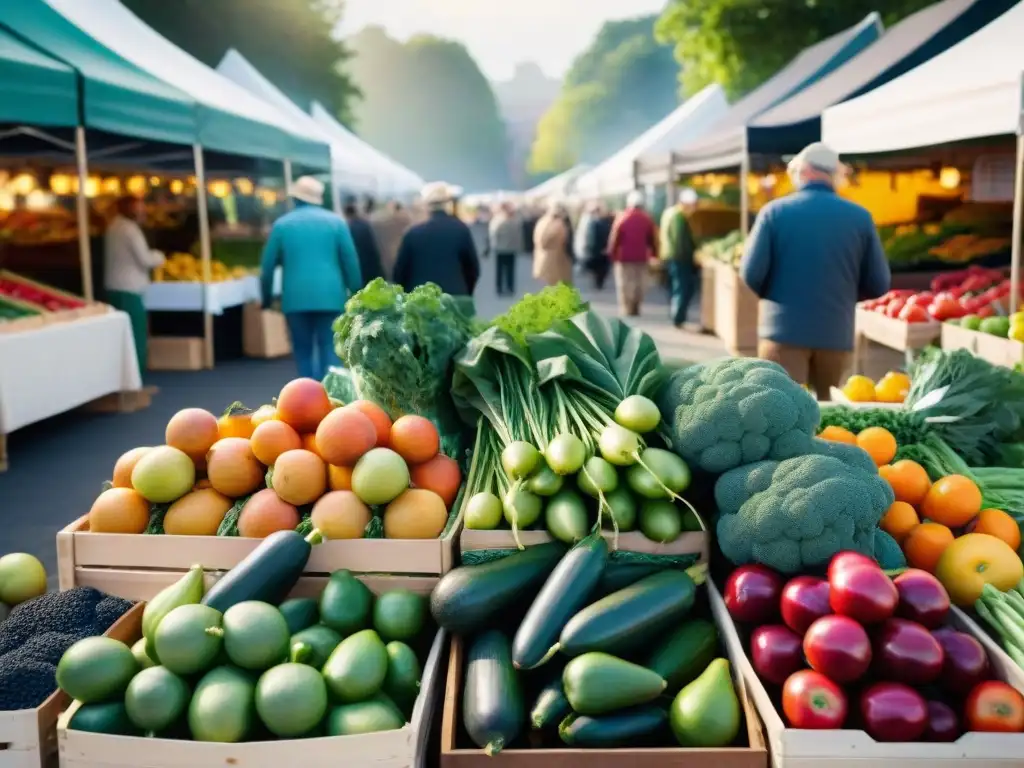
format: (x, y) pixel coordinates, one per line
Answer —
(399, 347)
(974, 406)
(535, 313)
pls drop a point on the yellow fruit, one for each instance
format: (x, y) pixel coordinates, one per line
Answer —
(340, 515)
(199, 513)
(416, 514)
(974, 560)
(860, 389)
(893, 388)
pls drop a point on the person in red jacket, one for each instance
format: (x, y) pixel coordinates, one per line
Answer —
(633, 243)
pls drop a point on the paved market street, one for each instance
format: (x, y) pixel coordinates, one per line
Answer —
(57, 466)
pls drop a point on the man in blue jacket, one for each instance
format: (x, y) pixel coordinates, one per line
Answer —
(319, 271)
(811, 257)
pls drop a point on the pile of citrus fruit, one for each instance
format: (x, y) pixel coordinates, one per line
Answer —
(891, 388)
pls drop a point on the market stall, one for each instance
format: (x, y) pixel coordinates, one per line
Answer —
(559, 187)
(955, 114)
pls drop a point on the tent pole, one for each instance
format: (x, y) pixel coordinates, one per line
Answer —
(82, 213)
(288, 183)
(1018, 220)
(205, 250)
(744, 192)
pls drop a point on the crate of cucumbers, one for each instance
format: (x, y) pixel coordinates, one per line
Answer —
(567, 653)
(256, 667)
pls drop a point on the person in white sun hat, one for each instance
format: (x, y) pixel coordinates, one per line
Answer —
(319, 271)
(439, 250)
(678, 248)
(811, 257)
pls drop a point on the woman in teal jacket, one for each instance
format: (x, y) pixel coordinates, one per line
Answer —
(319, 271)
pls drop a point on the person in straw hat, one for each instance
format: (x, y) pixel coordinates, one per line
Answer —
(319, 271)
(810, 258)
(439, 250)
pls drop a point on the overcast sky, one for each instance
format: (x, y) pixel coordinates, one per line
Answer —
(501, 33)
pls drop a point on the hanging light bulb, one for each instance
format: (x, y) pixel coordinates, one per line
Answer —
(111, 186)
(177, 186)
(92, 186)
(62, 184)
(753, 185)
(244, 186)
(715, 189)
(219, 188)
(137, 185)
(949, 178)
(267, 196)
(23, 183)
(769, 181)
(6, 200)
(38, 200)
(155, 181)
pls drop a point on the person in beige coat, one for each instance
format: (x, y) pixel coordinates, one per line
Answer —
(551, 261)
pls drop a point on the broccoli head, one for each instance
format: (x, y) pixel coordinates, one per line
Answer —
(736, 411)
(798, 513)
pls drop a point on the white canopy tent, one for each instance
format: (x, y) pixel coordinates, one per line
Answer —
(974, 90)
(687, 123)
(349, 171)
(396, 178)
(562, 185)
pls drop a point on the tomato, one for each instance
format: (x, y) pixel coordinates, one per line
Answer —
(986, 311)
(810, 700)
(911, 313)
(994, 707)
(894, 307)
(974, 560)
(920, 299)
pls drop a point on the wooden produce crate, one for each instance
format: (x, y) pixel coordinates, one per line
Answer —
(454, 753)
(175, 353)
(264, 332)
(994, 349)
(403, 748)
(86, 559)
(736, 312)
(851, 748)
(28, 736)
(894, 334)
(707, 297)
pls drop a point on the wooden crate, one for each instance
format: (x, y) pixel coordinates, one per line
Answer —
(707, 297)
(88, 559)
(28, 736)
(455, 756)
(175, 353)
(994, 349)
(736, 312)
(403, 748)
(851, 748)
(264, 332)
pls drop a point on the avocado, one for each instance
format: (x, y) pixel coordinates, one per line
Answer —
(300, 613)
(402, 680)
(96, 669)
(399, 615)
(345, 603)
(356, 669)
(255, 635)
(156, 698)
(109, 717)
(377, 714)
(189, 638)
(222, 706)
(321, 642)
(291, 699)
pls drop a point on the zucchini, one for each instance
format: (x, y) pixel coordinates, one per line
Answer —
(551, 705)
(267, 574)
(618, 575)
(684, 654)
(563, 594)
(599, 683)
(466, 599)
(619, 729)
(631, 617)
(492, 702)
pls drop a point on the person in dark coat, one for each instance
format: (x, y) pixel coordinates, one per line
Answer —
(366, 242)
(599, 231)
(439, 250)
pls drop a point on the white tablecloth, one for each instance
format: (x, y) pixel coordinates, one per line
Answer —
(62, 366)
(188, 297)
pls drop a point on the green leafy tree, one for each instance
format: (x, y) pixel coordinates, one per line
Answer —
(741, 43)
(427, 104)
(617, 88)
(290, 41)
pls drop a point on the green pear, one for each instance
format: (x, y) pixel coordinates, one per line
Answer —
(706, 713)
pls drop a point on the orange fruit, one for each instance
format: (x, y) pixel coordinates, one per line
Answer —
(415, 439)
(909, 480)
(900, 520)
(893, 388)
(879, 444)
(859, 389)
(925, 544)
(838, 435)
(339, 478)
(953, 500)
(262, 414)
(997, 523)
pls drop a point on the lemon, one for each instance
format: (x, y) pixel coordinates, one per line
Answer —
(860, 389)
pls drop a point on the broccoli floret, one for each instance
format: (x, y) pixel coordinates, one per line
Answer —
(888, 553)
(798, 513)
(736, 411)
(108, 611)
(26, 684)
(47, 647)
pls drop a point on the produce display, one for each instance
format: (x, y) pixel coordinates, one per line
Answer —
(891, 388)
(237, 664)
(859, 649)
(727, 250)
(186, 268)
(36, 294)
(570, 647)
(972, 232)
(15, 310)
(975, 297)
(305, 462)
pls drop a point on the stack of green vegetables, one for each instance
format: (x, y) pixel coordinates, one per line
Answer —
(1004, 613)
(561, 403)
(606, 654)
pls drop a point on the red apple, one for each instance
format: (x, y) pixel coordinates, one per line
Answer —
(863, 593)
(922, 598)
(752, 594)
(838, 647)
(893, 712)
(846, 559)
(943, 724)
(906, 652)
(804, 600)
(776, 653)
(965, 662)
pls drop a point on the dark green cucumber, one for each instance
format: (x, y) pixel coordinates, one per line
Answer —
(492, 702)
(632, 617)
(619, 729)
(563, 594)
(619, 575)
(599, 683)
(551, 705)
(466, 599)
(267, 574)
(685, 653)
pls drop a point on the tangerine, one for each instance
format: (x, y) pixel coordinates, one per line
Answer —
(893, 388)
(879, 444)
(900, 520)
(925, 545)
(997, 523)
(859, 389)
(953, 500)
(909, 480)
(838, 435)
(415, 439)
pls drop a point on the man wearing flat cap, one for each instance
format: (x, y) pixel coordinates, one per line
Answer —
(810, 258)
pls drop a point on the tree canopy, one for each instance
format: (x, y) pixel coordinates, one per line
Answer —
(741, 43)
(291, 43)
(617, 88)
(427, 104)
